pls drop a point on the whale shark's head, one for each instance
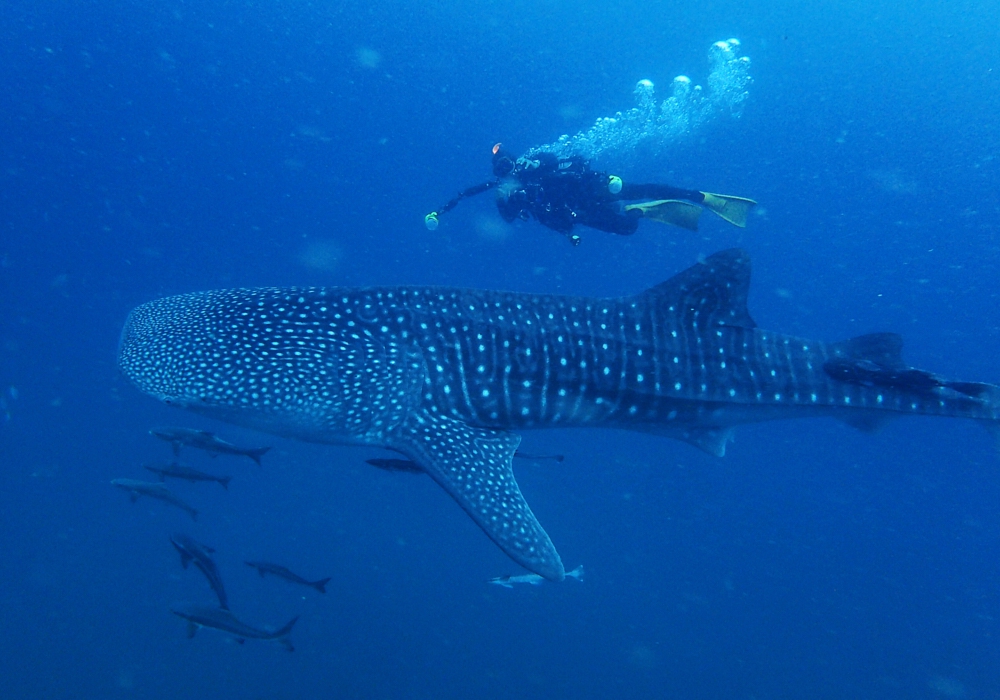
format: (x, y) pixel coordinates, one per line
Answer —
(170, 349)
(306, 362)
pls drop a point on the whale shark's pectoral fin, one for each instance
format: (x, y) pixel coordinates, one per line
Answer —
(474, 466)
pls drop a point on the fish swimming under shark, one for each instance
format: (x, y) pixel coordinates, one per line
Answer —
(179, 471)
(410, 467)
(199, 616)
(155, 490)
(204, 440)
(266, 567)
(532, 579)
(192, 551)
(445, 376)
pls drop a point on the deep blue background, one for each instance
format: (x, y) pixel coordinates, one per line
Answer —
(148, 148)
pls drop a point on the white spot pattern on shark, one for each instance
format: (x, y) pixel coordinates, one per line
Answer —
(444, 376)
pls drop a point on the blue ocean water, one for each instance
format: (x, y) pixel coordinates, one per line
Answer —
(162, 147)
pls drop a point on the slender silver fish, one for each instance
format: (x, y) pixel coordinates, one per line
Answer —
(204, 440)
(532, 579)
(264, 567)
(199, 616)
(193, 551)
(155, 490)
(179, 471)
(396, 465)
(411, 467)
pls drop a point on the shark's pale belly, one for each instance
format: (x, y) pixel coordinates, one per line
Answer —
(444, 375)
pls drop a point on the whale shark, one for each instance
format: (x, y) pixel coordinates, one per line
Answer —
(447, 377)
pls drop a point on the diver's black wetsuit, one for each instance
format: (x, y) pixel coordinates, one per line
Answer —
(563, 192)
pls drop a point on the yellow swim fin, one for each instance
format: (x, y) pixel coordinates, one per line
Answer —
(732, 209)
(670, 211)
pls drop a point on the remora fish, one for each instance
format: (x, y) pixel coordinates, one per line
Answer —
(204, 440)
(410, 467)
(264, 567)
(179, 471)
(444, 376)
(155, 490)
(193, 551)
(532, 579)
(396, 465)
(198, 616)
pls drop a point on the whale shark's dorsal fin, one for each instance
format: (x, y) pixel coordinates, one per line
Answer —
(712, 293)
(474, 466)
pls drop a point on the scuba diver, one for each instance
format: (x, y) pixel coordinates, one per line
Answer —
(563, 192)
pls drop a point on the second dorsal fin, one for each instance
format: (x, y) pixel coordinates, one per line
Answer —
(884, 349)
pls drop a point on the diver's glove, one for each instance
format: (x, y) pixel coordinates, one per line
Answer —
(431, 221)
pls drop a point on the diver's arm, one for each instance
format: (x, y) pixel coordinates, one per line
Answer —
(431, 220)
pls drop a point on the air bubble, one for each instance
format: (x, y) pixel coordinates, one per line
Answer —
(614, 140)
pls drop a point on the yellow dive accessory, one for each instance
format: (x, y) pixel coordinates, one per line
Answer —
(733, 209)
(431, 221)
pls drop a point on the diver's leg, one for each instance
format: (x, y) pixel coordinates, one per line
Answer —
(609, 220)
(644, 191)
(733, 209)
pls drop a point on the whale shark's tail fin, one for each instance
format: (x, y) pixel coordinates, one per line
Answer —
(876, 361)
